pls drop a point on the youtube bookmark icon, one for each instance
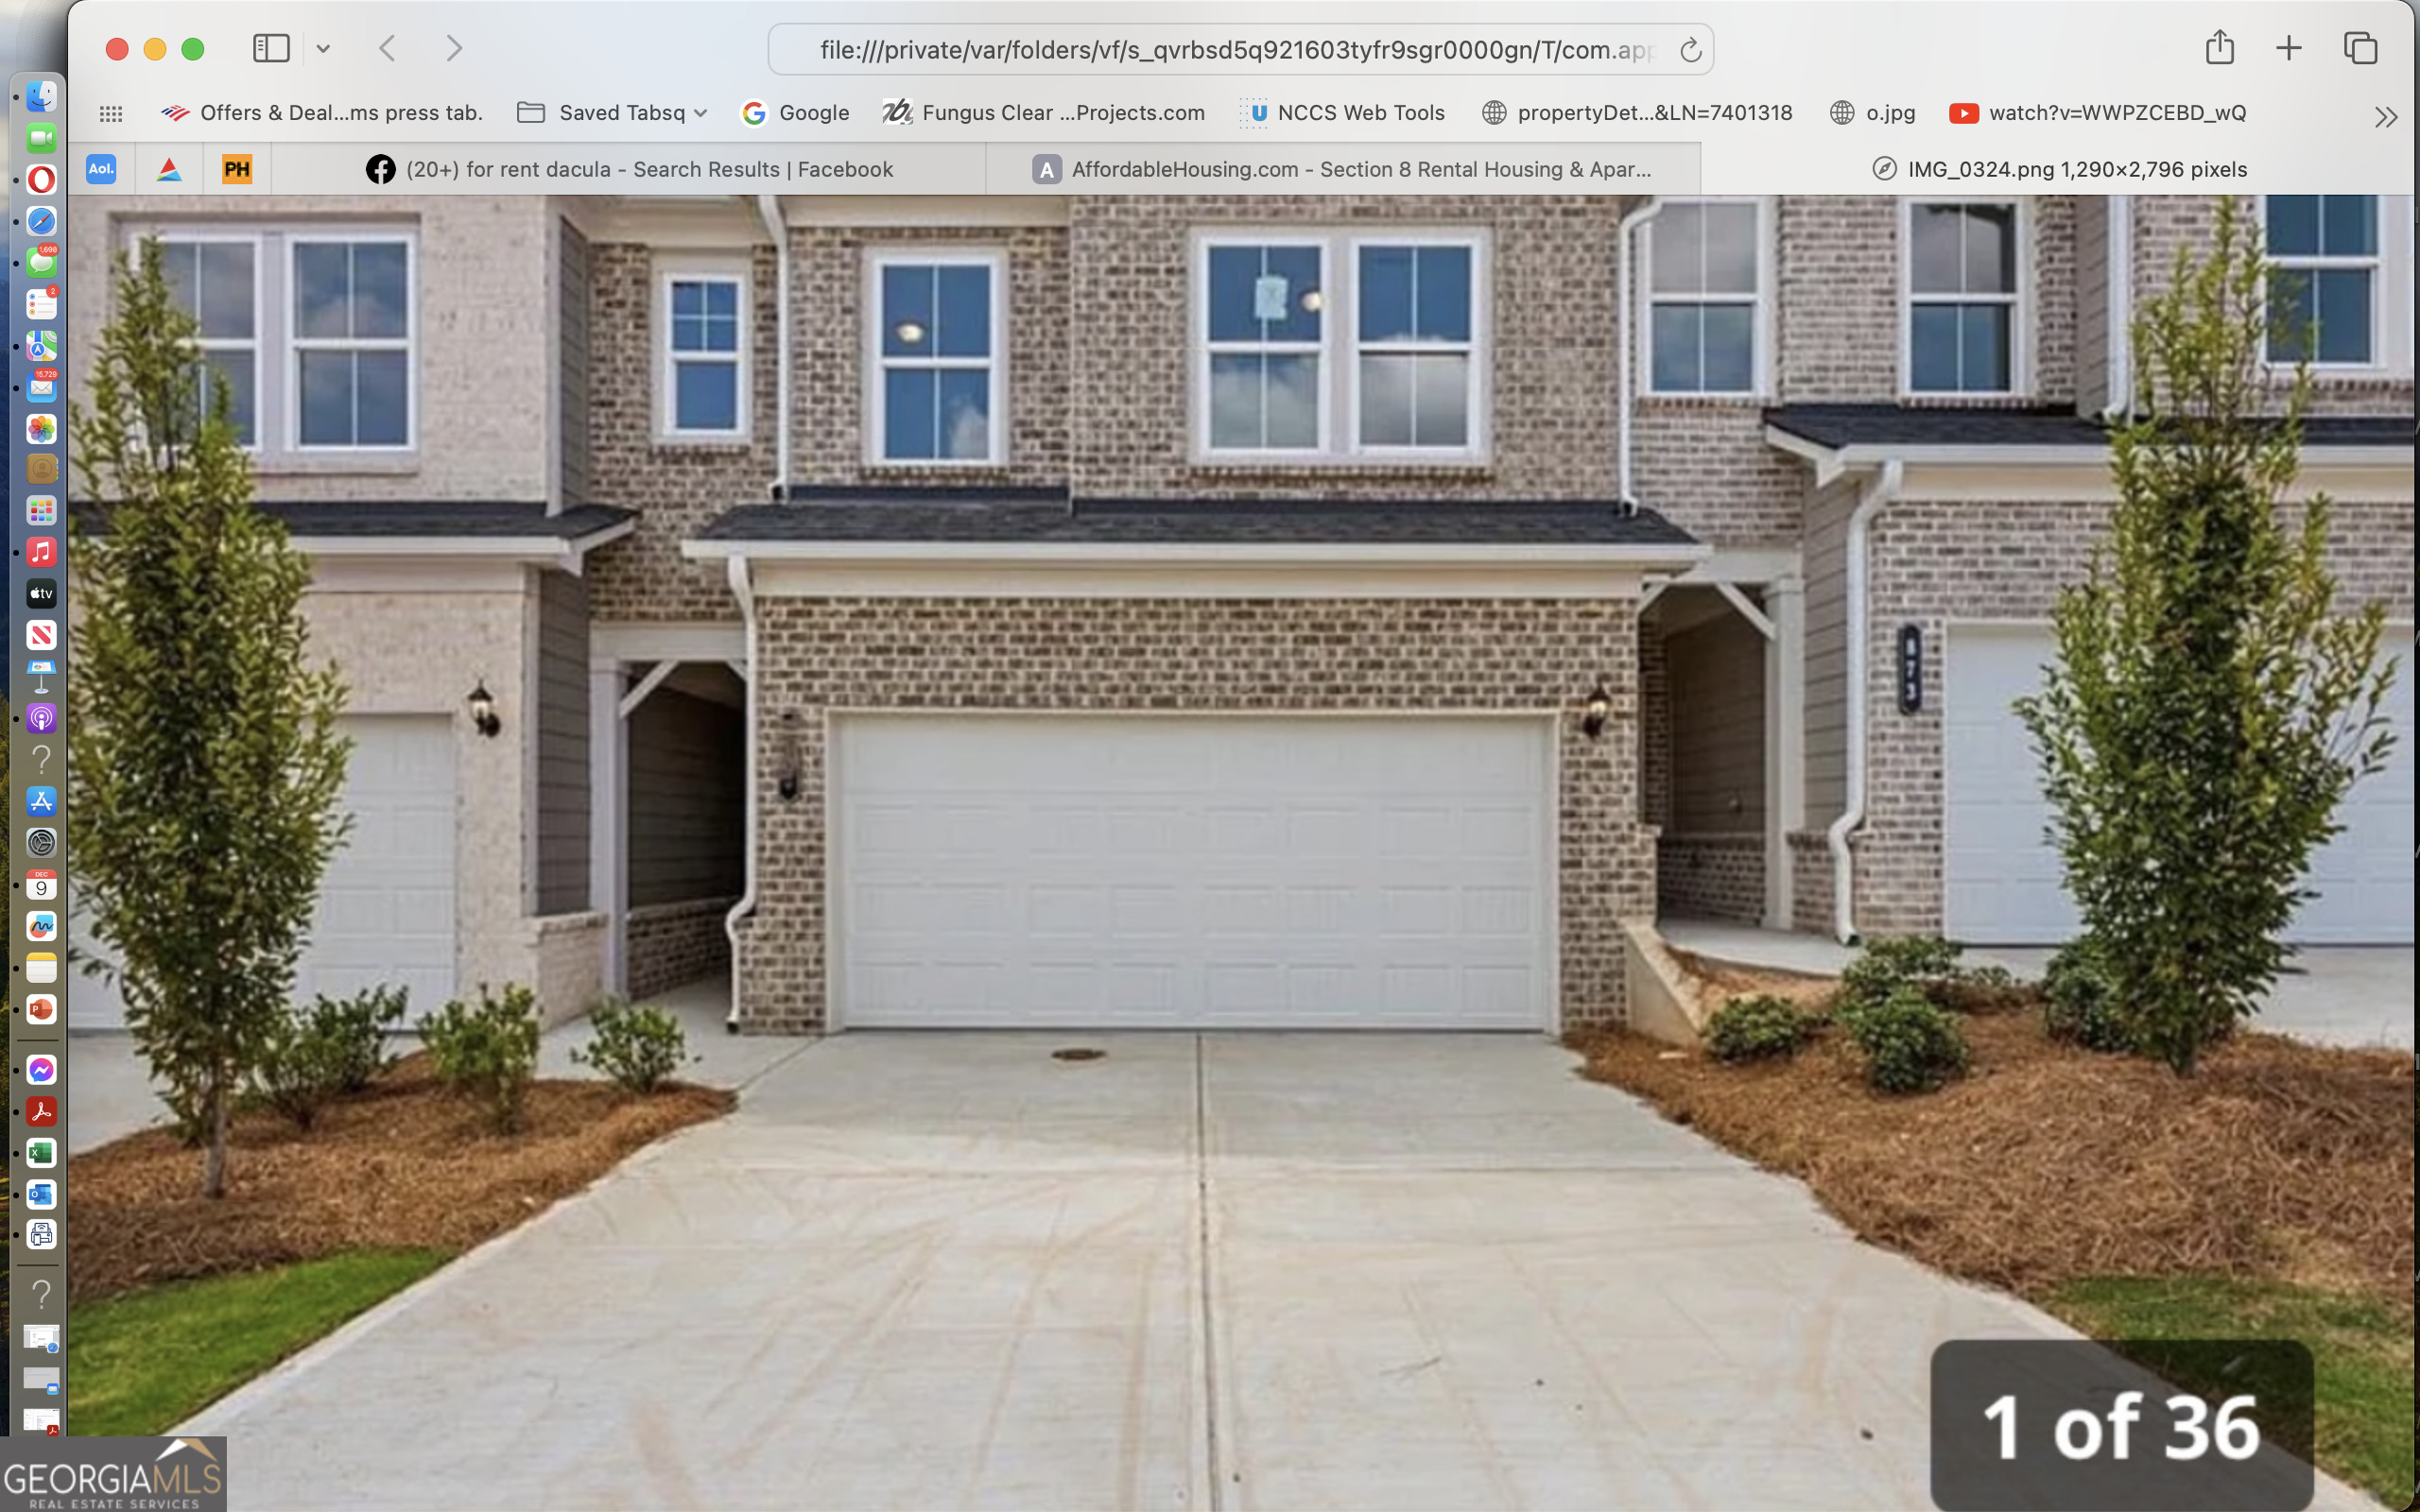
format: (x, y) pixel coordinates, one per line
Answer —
(1966, 114)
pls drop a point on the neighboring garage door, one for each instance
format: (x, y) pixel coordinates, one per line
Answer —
(386, 908)
(2001, 880)
(1178, 873)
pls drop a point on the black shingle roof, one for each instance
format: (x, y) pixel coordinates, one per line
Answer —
(1023, 520)
(488, 518)
(1842, 425)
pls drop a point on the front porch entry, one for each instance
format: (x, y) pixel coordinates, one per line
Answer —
(668, 711)
(1723, 735)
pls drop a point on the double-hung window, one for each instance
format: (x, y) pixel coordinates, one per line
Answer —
(1267, 348)
(1413, 367)
(1963, 264)
(351, 343)
(705, 357)
(2326, 279)
(309, 334)
(1706, 298)
(938, 389)
(1339, 348)
(217, 280)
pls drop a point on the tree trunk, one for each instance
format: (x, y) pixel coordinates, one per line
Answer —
(214, 1160)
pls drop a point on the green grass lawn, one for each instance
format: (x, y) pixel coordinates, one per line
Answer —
(2363, 1352)
(144, 1361)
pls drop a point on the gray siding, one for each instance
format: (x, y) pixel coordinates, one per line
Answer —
(572, 284)
(563, 743)
(1716, 671)
(1825, 564)
(2092, 304)
(687, 778)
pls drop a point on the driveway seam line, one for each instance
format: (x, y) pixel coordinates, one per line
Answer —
(1202, 1239)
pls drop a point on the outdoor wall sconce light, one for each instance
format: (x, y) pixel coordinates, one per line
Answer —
(483, 714)
(785, 776)
(1599, 709)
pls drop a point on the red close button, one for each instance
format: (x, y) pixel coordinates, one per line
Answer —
(1966, 114)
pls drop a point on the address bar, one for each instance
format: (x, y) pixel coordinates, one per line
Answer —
(1305, 49)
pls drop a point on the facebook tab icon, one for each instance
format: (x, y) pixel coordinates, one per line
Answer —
(100, 167)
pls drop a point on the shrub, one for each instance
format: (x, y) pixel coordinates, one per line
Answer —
(357, 1027)
(299, 1071)
(640, 1048)
(2215, 691)
(1986, 989)
(1759, 1028)
(1912, 1045)
(1921, 961)
(2081, 1003)
(489, 1053)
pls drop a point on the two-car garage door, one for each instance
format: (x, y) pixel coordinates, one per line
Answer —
(2001, 878)
(385, 907)
(1069, 871)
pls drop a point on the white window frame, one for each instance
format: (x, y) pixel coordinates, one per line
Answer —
(276, 365)
(1760, 320)
(1355, 349)
(408, 343)
(878, 366)
(2391, 296)
(2020, 299)
(171, 236)
(1340, 349)
(738, 272)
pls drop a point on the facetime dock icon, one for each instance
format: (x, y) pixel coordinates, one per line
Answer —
(236, 168)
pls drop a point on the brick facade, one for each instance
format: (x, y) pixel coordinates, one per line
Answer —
(1711, 876)
(1554, 360)
(678, 488)
(671, 944)
(1197, 655)
(828, 288)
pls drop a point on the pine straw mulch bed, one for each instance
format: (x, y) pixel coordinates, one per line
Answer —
(405, 1164)
(2046, 1165)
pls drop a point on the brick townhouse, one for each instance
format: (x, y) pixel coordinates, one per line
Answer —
(1317, 611)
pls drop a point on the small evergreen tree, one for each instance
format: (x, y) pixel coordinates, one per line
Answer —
(2209, 706)
(206, 763)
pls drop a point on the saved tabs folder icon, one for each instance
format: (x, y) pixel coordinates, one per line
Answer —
(529, 113)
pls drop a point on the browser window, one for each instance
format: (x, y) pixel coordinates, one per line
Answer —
(1327, 755)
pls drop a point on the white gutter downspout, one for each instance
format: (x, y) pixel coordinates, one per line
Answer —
(768, 208)
(736, 567)
(2121, 306)
(1628, 317)
(1880, 491)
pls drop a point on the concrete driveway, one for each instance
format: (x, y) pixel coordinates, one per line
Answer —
(1242, 1272)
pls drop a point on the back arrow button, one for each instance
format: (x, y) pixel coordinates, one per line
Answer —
(382, 48)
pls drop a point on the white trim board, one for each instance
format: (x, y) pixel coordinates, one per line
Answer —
(796, 580)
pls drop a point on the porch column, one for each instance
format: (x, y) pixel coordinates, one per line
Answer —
(1785, 741)
(607, 811)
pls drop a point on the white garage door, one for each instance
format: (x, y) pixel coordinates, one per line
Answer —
(386, 909)
(1292, 873)
(2001, 878)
